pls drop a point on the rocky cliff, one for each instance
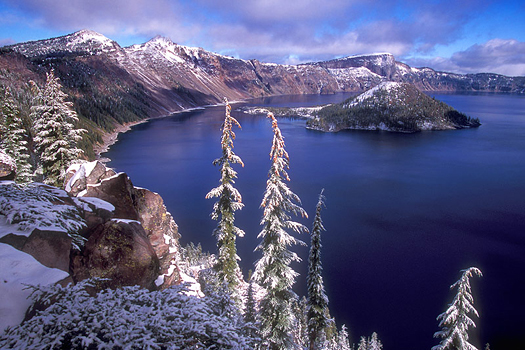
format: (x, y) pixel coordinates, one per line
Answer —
(112, 85)
(99, 226)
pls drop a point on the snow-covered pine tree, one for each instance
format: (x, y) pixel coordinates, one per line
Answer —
(342, 340)
(250, 312)
(230, 200)
(14, 138)
(250, 316)
(55, 134)
(272, 270)
(374, 343)
(318, 318)
(363, 344)
(455, 322)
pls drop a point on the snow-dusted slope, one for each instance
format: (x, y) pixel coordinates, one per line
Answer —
(85, 42)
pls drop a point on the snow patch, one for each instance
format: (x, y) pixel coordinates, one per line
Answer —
(16, 270)
(126, 221)
(98, 203)
(385, 86)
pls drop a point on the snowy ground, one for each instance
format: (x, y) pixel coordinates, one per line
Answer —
(16, 270)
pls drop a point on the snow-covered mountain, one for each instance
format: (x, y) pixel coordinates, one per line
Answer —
(112, 85)
(83, 42)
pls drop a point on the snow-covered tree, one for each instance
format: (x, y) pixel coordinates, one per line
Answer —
(14, 136)
(55, 134)
(455, 321)
(230, 200)
(250, 312)
(363, 344)
(342, 340)
(318, 319)
(374, 343)
(273, 271)
(370, 343)
(127, 318)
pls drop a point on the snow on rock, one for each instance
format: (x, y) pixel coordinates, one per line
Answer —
(37, 206)
(16, 270)
(97, 203)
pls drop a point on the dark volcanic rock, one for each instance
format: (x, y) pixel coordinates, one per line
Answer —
(120, 251)
(50, 248)
(117, 190)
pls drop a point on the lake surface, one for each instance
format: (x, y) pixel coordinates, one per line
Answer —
(404, 212)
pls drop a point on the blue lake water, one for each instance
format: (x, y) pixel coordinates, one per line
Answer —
(404, 212)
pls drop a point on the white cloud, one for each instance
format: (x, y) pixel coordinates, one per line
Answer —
(502, 56)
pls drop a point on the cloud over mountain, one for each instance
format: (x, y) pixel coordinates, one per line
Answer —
(502, 56)
(293, 31)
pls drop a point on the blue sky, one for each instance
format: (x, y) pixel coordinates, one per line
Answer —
(463, 36)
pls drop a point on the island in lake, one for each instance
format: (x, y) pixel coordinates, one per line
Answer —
(391, 106)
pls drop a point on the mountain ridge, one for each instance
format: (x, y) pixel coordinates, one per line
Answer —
(112, 85)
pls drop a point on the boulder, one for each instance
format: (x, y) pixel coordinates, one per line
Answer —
(7, 166)
(117, 190)
(78, 176)
(50, 248)
(120, 251)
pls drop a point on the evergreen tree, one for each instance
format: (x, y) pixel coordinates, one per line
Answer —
(363, 344)
(374, 343)
(318, 319)
(250, 317)
(342, 340)
(250, 314)
(229, 201)
(14, 137)
(455, 322)
(272, 270)
(55, 134)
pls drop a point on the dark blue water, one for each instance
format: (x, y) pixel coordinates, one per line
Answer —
(404, 212)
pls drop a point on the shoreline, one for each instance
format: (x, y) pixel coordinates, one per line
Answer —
(110, 138)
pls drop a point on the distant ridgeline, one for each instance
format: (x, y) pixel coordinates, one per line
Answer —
(398, 107)
(111, 85)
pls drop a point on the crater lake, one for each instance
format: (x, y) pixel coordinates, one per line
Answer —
(404, 212)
